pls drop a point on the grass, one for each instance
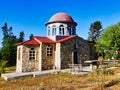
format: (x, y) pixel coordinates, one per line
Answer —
(60, 81)
(65, 81)
(9, 69)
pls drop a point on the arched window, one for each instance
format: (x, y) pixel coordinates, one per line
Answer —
(54, 30)
(48, 30)
(69, 30)
(61, 30)
(73, 31)
(49, 50)
(32, 54)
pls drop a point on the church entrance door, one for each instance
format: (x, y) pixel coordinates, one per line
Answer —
(75, 57)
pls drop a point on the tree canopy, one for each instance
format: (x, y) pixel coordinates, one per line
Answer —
(21, 37)
(95, 31)
(8, 50)
(31, 36)
(109, 42)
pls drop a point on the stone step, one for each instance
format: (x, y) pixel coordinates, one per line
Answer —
(17, 75)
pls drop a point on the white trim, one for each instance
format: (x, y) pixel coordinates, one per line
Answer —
(37, 40)
(19, 62)
(32, 53)
(58, 56)
(40, 58)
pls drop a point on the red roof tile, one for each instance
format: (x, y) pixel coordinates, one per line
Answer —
(44, 39)
(29, 42)
(64, 38)
(61, 17)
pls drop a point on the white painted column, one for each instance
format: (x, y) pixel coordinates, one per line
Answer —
(40, 57)
(58, 57)
(19, 60)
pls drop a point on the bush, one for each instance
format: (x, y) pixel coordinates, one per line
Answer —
(2, 66)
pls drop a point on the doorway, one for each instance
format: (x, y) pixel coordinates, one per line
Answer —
(75, 57)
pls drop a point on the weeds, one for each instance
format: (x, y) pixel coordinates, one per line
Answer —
(2, 66)
(99, 76)
(112, 82)
(99, 79)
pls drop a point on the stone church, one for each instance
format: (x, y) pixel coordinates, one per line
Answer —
(61, 47)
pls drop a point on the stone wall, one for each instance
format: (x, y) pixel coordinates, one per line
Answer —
(47, 61)
(67, 50)
(29, 65)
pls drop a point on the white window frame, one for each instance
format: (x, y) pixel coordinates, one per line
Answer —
(32, 54)
(48, 30)
(49, 50)
(54, 30)
(61, 30)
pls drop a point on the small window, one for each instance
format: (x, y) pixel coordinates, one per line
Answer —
(54, 30)
(48, 31)
(32, 54)
(61, 30)
(69, 30)
(49, 50)
(75, 47)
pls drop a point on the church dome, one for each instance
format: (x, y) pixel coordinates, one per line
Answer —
(61, 17)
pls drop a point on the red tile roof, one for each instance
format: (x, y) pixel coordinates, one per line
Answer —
(37, 39)
(64, 38)
(29, 42)
(61, 17)
(44, 39)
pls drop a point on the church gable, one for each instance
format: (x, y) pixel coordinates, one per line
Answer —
(71, 47)
(27, 57)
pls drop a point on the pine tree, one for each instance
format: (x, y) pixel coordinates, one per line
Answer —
(21, 37)
(31, 36)
(8, 50)
(95, 31)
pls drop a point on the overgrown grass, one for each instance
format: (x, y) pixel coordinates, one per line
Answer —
(9, 69)
(65, 81)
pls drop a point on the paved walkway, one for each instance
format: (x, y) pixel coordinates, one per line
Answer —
(16, 75)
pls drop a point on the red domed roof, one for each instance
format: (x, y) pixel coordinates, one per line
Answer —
(61, 17)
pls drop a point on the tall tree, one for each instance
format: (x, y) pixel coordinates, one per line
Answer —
(8, 50)
(109, 42)
(95, 31)
(0, 55)
(21, 37)
(31, 36)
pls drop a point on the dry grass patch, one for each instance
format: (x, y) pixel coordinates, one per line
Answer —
(61, 81)
(65, 81)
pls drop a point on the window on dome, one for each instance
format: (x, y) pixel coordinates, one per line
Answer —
(54, 30)
(49, 50)
(69, 30)
(32, 54)
(61, 30)
(73, 32)
(48, 31)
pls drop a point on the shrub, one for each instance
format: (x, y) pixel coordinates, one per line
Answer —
(2, 66)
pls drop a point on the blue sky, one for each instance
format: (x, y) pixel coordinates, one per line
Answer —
(31, 15)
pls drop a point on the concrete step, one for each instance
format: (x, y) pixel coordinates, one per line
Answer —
(17, 75)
